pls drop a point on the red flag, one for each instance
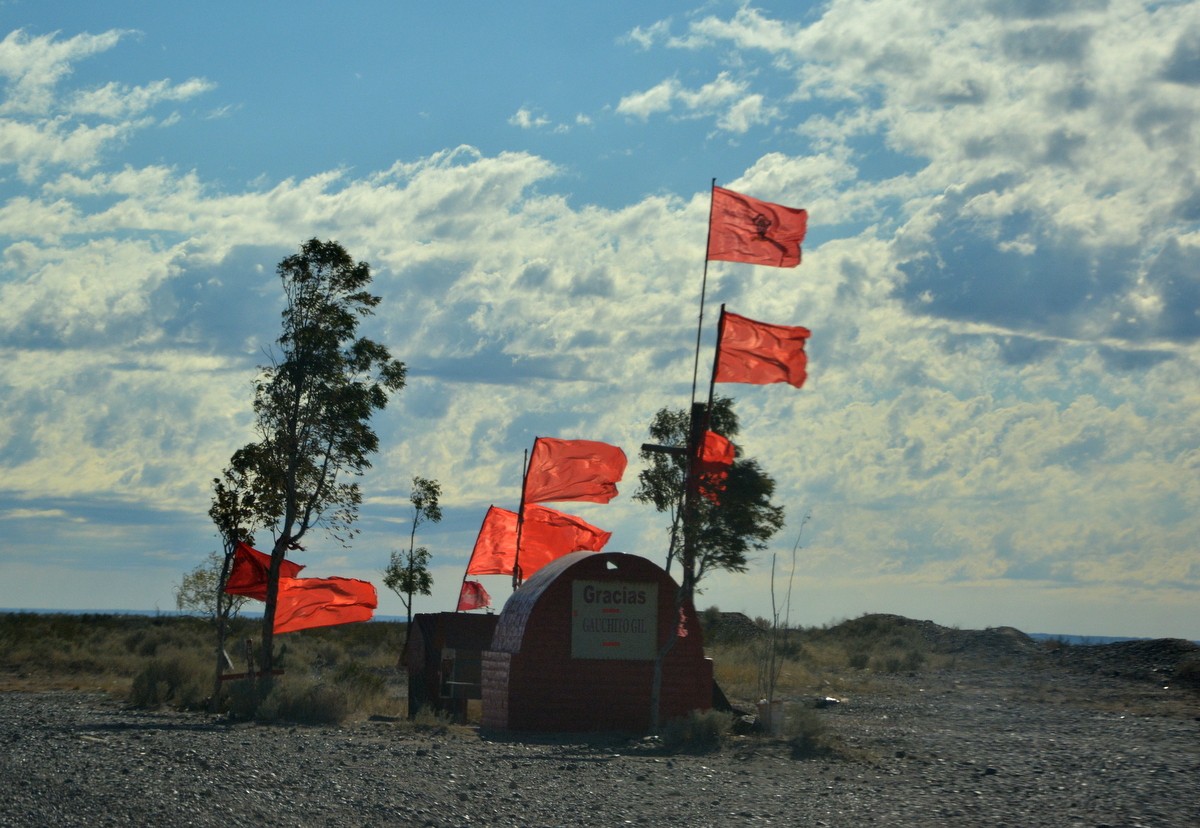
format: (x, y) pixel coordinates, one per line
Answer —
(473, 596)
(744, 229)
(712, 467)
(758, 353)
(322, 602)
(573, 470)
(496, 545)
(248, 575)
(546, 534)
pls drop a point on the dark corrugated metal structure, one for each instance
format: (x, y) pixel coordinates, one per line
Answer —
(574, 649)
(443, 660)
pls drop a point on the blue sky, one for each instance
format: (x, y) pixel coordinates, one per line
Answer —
(1002, 420)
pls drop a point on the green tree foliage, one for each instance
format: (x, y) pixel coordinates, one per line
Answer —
(313, 405)
(232, 511)
(725, 532)
(200, 591)
(407, 573)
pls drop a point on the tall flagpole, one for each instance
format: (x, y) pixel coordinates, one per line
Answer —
(687, 554)
(712, 382)
(703, 290)
(521, 519)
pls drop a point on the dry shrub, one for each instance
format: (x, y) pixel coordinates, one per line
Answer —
(700, 732)
(806, 733)
(176, 677)
(300, 701)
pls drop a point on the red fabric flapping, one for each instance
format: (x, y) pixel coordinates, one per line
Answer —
(759, 353)
(248, 575)
(573, 470)
(744, 229)
(322, 602)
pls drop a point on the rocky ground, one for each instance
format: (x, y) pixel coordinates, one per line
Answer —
(1096, 736)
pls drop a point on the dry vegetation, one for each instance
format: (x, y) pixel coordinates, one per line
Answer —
(330, 674)
(352, 672)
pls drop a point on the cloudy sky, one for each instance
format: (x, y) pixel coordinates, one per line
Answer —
(1002, 420)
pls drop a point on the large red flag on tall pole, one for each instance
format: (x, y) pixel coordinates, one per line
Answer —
(573, 470)
(546, 534)
(322, 602)
(744, 229)
(759, 353)
(495, 545)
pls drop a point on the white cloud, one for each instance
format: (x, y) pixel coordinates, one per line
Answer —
(525, 118)
(115, 100)
(652, 101)
(728, 101)
(985, 436)
(34, 66)
(646, 37)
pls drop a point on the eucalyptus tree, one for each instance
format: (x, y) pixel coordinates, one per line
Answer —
(313, 405)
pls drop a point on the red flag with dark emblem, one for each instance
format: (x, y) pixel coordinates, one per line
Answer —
(248, 575)
(759, 353)
(573, 470)
(473, 596)
(744, 229)
(322, 602)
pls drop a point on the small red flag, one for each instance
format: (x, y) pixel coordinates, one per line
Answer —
(744, 229)
(712, 467)
(322, 602)
(759, 353)
(546, 534)
(473, 596)
(573, 470)
(248, 575)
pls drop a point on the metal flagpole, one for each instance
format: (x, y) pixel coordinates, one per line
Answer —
(712, 382)
(703, 290)
(687, 553)
(521, 519)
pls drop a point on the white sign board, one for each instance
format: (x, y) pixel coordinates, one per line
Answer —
(614, 619)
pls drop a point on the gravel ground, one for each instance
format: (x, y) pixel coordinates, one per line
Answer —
(1054, 742)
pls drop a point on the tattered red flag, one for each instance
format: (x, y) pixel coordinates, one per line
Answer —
(322, 602)
(248, 575)
(473, 596)
(713, 464)
(573, 470)
(546, 534)
(744, 229)
(759, 353)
